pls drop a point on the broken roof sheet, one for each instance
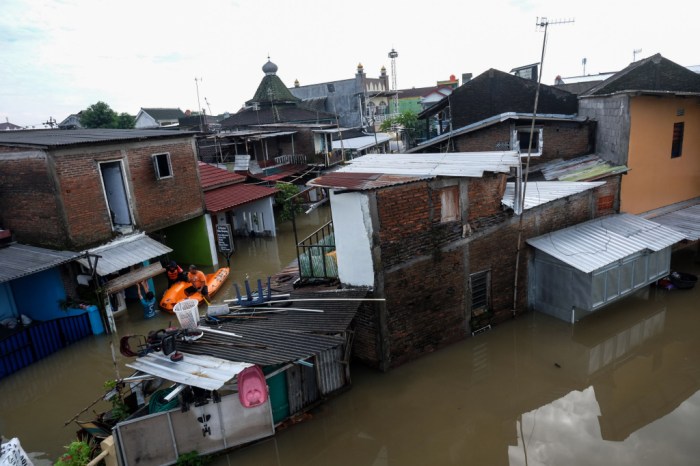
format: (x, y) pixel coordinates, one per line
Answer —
(585, 168)
(362, 181)
(541, 192)
(279, 337)
(597, 243)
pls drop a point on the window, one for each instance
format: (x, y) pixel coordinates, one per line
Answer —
(161, 163)
(479, 285)
(521, 139)
(449, 204)
(116, 194)
(677, 145)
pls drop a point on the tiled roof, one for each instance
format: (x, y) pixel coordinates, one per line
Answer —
(45, 138)
(655, 74)
(159, 114)
(213, 177)
(228, 197)
(272, 90)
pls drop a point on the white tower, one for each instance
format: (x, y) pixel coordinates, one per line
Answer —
(393, 54)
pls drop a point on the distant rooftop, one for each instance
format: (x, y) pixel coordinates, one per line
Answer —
(45, 138)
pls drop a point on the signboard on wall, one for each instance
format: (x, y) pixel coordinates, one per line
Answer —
(224, 240)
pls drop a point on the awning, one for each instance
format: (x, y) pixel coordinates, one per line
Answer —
(125, 252)
(200, 371)
(126, 280)
(19, 260)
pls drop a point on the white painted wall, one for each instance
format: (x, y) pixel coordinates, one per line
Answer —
(263, 209)
(353, 232)
(212, 240)
(144, 120)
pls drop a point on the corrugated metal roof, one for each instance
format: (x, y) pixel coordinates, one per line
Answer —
(213, 177)
(227, 197)
(586, 168)
(460, 164)
(685, 221)
(271, 135)
(362, 142)
(541, 192)
(62, 137)
(125, 252)
(19, 260)
(594, 244)
(207, 372)
(363, 181)
(282, 337)
(279, 172)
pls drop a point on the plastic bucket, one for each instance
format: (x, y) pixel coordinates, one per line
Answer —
(187, 313)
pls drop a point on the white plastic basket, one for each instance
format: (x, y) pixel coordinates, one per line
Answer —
(187, 313)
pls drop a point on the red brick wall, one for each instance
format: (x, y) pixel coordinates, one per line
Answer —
(28, 203)
(485, 195)
(165, 202)
(74, 213)
(425, 264)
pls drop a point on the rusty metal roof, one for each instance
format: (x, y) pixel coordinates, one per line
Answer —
(282, 337)
(214, 177)
(585, 168)
(19, 260)
(597, 243)
(228, 197)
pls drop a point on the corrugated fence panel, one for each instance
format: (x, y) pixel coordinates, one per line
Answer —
(331, 372)
(15, 353)
(40, 340)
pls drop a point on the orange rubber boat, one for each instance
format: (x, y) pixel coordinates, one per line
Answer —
(176, 293)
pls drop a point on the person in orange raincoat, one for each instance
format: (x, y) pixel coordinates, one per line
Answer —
(198, 282)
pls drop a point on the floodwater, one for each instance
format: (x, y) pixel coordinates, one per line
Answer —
(619, 387)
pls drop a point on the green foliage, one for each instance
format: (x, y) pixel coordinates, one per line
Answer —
(288, 207)
(100, 115)
(125, 121)
(407, 121)
(77, 454)
(119, 409)
(192, 459)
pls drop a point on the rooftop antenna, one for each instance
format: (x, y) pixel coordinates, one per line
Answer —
(519, 202)
(583, 62)
(635, 52)
(199, 104)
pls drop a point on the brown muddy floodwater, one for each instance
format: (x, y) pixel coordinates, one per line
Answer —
(620, 387)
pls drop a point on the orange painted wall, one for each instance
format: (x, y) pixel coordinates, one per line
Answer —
(655, 179)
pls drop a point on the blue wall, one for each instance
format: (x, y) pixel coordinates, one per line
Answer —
(7, 304)
(37, 295)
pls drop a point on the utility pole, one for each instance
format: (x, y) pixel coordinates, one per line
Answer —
(393, 54)
(635, 52)
(199, 104)
(543, 24)
(583, 62)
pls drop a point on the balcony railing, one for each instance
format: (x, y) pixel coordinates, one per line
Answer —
(316, 254)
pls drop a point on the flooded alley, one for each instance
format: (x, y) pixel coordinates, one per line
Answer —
(620, 387)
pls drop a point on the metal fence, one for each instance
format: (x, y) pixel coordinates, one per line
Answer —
(316, 254)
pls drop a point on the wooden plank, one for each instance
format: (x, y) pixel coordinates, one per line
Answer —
(129, 279)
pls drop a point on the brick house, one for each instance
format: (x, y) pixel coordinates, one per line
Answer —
(432, 235)
(494, 112)
(103, 192)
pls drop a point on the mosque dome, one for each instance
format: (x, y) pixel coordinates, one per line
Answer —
(269, 67)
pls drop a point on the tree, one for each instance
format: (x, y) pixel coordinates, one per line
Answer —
(125, 121)
(100, 115)
(407, 121)
(289, 207)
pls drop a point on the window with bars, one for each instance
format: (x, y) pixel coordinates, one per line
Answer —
(479, 283)
(677, 144)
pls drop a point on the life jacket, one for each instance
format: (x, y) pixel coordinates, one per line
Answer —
(174, 274)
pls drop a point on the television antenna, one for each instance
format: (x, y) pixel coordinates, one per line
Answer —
(393, 54)
(583, 62)
(207, 102)
(635, 52)
(199, 104)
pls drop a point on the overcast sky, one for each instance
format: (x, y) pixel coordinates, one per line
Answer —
(59, 57)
